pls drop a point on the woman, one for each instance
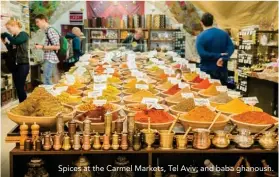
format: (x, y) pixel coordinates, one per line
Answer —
(17, 45)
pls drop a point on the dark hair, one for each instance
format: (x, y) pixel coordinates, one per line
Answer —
(41, 17)
(207, 19)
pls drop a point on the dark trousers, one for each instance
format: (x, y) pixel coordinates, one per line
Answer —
(220, 75)
(19, 77)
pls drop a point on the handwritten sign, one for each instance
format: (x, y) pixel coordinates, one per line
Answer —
(99, 102)
(59, 90)
(250, 100)
(149, 101)
(109, 70)
(100, 86)
(214, 81)
(70, 79)
(203, 75)
(95, 94)
(183, 85)
(192, 66)
(173, 80)
(221, 88)
(201, 102)
(142, 86)
(158, 106)
(198, 70)
(169, 71)
(234, 93)
(100, 78)
(187, 95)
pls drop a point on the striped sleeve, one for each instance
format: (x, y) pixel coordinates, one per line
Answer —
(53, 37)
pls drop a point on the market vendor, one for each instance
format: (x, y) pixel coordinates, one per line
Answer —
(135, 41)
(215, 48)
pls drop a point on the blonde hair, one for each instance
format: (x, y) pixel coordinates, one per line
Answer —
(12, 22)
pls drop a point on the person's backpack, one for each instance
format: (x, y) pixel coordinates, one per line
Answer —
(62, 52)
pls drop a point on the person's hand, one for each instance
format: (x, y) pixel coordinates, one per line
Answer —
(220, 62)
(37, 46)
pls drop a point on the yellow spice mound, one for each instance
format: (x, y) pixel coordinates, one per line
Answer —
(141, 94)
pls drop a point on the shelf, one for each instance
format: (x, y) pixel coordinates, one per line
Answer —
(123, 29)
(265, 31)
(161, 40)
(233, 150)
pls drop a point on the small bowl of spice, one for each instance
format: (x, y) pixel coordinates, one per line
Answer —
(184, 106)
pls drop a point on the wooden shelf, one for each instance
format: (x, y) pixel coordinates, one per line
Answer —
(162, 40)
(124, 29)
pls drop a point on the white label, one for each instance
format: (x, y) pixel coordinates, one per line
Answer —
(81, 64)
(198, 70)
(162, 66)
(183, 85)
(79, 71)
(152, 53)
(100, 78)
(107, 66)
(250, 100)
(149, 101)
(234, 93)
(192, 66)
(109, 76)
(131, 57)
(221, 88)
(203, 75)
(160, 62)
(59, 90)
(142, 86)
(169, 71)
(173, 80)
(157, 106)
(109, 70)
(47, 87)
(187, 95)
(100, 86)
(70, 79)
(95, 94)
(214, 81)
(99, 102)
(201, 102)
(176, 59)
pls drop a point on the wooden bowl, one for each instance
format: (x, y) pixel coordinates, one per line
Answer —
(85, 93)
(79, 93)
(195, 89)
(254, 128)
(161, 88)
(169, 102)
(214, 104)
(128, 100)
(47, 122)
(232, 113)
(127, 110)
(195, 124)
(128, 93)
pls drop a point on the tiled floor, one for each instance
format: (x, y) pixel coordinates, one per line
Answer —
(6, 126)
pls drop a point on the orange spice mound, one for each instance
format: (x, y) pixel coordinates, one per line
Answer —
(203, 84)
(156, 116)
(173, 90)
(211, 90)
(201, 114)
(255, 117)
(72, 90)
(100, 69)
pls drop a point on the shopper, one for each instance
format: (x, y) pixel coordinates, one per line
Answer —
(17, 46)
(215, 48)
(74, 48)
(50, 48)
(135, 41)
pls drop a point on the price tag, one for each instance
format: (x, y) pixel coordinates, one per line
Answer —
(173, 80)
(198, 70)
(221, 88)
(152, 53)
(183, 85)
(59, 90)
(136, 73)
(70, 79)
(169, 71)
(250, 100)
(107, 66)
(203, 75)
(99, 102)
(234, 93)
(149, 101)
(176, 59)
(160, 62)
(79, 71)
(47, 87)
(109, 76)
(142, 86)
(95, 94)
(162, 66)
(201, 102)
(109, 70)
(100, 78)
(131, 57)
(100, 86)
(192, 66)
(81, 64)
(214, 81)
(187, 95)
(157, 106)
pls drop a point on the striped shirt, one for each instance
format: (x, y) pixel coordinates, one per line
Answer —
(52, 39)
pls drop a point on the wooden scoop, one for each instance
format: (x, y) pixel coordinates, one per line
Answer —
(215, 119)
(174, 122)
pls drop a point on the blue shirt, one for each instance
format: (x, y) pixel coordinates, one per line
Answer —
(210, 44)
(76, 43)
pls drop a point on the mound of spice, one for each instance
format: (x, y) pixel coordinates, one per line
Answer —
(141, 94)
(133, 82)
(203, 84)
(113, 79)
(201, 114)
(96, 116)
(211, 90)
(197, 80)
(236, 106)
(185, 105)
(173, 90)
(190, 76)
(221, 98)
(134, 89)
(156, 116)
(254, 117)
(178, 96)
(100, 69)
(73, 90)
(166, 85)
(91, 106)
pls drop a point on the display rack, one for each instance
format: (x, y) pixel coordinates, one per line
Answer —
(119, 35)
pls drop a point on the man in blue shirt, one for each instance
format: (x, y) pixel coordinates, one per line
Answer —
(215, 48)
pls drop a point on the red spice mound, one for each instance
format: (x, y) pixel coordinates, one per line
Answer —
(173, 90)
(156, 116)
(203, 85)
(197, 80)
(254, 117)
